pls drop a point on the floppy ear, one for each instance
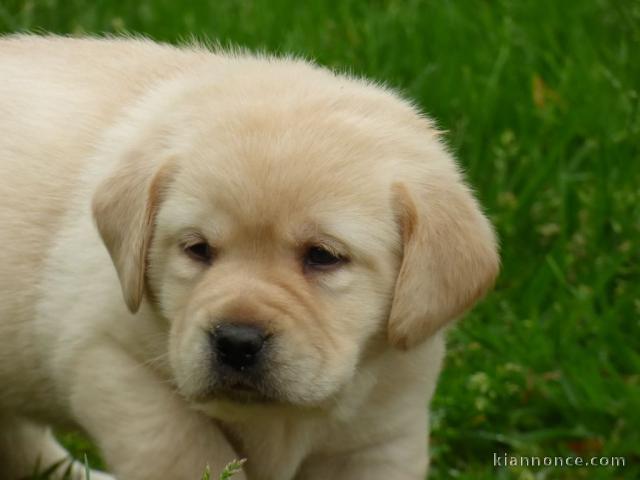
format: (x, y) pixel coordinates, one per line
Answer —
(449, 259)
(124, 208)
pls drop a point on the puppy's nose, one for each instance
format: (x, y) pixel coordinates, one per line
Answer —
(237, 345)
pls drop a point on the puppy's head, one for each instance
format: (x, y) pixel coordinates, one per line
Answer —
(287, 222)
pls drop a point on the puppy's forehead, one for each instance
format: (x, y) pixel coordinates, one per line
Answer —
(305, 148)
(289, 171)
(264, 197)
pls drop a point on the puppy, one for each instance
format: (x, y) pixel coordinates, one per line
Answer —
(208, 256)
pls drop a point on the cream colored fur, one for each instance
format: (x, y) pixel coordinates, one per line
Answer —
(113, 152)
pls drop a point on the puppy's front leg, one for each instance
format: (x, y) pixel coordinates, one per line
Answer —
(144, 429)
(26, 447)
(397, 458)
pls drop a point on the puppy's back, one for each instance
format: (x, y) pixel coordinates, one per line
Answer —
(57, 95)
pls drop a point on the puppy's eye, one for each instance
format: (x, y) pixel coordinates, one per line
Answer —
(200, 251)
(320, 258)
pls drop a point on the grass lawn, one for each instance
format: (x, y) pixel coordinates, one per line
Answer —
(540, 99)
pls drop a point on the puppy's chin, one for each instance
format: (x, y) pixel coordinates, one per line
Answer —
(238, 393)
(243, 396)
(238, 400)
(239, 406)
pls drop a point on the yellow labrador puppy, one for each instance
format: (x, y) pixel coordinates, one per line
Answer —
(208, 256)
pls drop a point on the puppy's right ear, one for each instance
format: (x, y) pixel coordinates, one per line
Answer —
(124, 209)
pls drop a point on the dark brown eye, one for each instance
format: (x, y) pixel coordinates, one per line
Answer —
(200, 251)
(320, 258)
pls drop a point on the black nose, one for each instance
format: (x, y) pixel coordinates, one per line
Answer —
(238, 346)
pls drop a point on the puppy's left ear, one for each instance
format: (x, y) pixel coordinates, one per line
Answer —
(124, 208)
(449, 259)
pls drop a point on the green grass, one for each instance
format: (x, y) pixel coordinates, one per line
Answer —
(540, 100)
(63, 468)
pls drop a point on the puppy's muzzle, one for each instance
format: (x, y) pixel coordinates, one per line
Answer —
(241, 363)
(238, 347)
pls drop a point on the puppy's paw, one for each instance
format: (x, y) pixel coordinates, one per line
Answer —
(96, 475)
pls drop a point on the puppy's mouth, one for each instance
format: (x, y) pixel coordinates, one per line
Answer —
(241, 394)
(239, 389)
